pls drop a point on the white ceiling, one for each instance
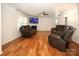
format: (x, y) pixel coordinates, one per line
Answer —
(37, 8)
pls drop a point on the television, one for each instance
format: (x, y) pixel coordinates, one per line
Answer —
(33, 20)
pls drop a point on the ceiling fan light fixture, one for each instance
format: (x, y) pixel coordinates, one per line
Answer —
(44, 14)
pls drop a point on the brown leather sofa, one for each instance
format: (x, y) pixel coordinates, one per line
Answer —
(27, 31)
(60, 30)
(60, 37)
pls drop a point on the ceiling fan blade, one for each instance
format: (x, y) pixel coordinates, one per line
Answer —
(45, 14)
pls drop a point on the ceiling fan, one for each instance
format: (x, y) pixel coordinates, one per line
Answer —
(44, 14)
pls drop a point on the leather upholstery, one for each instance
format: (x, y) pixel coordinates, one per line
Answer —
(60, 30)
(59, 41)
(27, 31)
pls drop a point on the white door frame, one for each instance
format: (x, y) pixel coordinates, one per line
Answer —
(0, 32)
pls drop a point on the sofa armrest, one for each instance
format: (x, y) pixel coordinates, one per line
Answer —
(55, 35)
(57, 42)
(53, 30)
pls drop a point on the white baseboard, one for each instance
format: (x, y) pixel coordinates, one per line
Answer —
(76, 41)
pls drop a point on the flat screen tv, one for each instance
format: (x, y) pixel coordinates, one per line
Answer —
(33, 20)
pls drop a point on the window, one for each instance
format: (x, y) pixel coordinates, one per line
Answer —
(21, 21)
(56, 21)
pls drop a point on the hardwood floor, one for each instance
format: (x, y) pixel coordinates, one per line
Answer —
(36, 46)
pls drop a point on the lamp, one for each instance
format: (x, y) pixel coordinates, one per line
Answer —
(66, 21)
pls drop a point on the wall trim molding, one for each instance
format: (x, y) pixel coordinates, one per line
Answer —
(77, 43)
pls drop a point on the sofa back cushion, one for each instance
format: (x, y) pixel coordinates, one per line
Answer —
(63, 30)
(25, 28)
(60, 27)
(68, 35)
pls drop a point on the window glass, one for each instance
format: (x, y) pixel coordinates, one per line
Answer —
(21, 21)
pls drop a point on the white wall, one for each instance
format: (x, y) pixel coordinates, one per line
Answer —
(45, 23)
(9, 24)
(61, 19)
(0, 32)
(73, 20)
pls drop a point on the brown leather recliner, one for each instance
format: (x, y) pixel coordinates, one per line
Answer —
(27, 31)
(61, 42)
